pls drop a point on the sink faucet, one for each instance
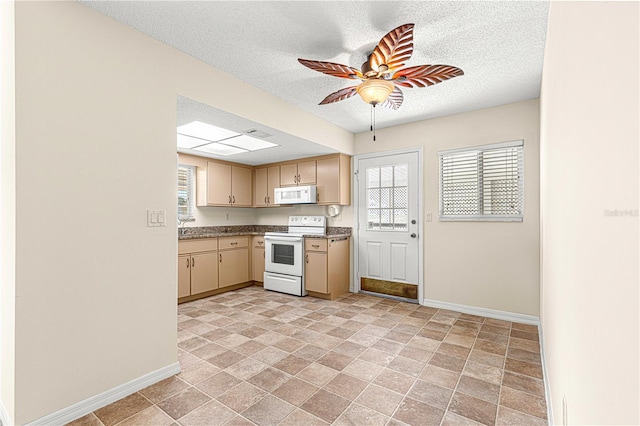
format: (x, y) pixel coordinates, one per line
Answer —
(181, 229)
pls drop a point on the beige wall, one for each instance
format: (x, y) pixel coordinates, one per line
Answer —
(589, 140)
(482, 264)
(95, 289)
(7, 208)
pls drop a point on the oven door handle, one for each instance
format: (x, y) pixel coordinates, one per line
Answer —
(284, 239)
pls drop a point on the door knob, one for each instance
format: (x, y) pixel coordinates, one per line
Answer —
(413, 235)
(413, 221)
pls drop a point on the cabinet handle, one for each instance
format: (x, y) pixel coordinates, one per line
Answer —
(260, 242)
(233, 244)
(187, 262)
(318, 196)
(220, 257)
(193, 262)
(229, 199)
(299, 179)
(234, 199)
(315, 245)
(268, 199)
(306, 258)
(265, 200)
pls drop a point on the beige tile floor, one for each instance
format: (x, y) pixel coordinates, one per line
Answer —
(257, 357)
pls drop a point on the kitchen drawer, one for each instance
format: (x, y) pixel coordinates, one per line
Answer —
(258, 242)
(194, 246)
(233, 242)
(315, 244)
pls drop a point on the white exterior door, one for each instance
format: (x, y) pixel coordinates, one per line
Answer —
(388, 212)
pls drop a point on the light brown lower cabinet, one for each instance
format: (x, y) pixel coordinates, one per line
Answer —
(197, 266)
(257, 259)
(233, 262)
(326, 272)
(209, 266)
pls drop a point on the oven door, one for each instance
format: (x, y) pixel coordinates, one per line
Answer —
(283, 255)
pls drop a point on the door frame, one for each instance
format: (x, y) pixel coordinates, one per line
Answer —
(356, 207)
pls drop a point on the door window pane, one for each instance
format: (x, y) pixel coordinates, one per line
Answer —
(387, 192)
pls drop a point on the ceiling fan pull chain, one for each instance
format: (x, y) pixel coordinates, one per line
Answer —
(373, 108)
(371, 119)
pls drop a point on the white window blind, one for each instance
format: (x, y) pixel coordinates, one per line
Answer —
(483, 183)
(186, 191)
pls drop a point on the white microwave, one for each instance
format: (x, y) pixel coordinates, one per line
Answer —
(296, 195)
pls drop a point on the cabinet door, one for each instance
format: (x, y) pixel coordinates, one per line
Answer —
(273, 182)
(307, 173)
(260, 187)
(257, 269)
(184, 275)
(315, 274)
(328, 175)
(204, 272)
(218, 183)
(241, 186)
(288, 175)
(234, 267)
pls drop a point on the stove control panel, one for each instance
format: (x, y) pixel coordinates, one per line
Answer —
(311, 221)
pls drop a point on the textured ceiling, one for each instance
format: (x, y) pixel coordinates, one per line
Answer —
(498, 45)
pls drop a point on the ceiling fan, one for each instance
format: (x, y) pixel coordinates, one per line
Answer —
(381, 74)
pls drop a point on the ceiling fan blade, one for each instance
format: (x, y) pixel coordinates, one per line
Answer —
(425, 75)
(340, 95)
(394, 101)
(331, 68)
(393, 49)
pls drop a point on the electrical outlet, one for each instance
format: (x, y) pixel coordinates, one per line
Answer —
(226, 216)
(429, 216)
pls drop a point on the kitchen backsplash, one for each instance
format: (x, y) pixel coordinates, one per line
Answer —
(227, 216)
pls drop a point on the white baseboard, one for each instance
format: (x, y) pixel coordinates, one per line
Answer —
(4, 415)
(89, 405)
(484, 312)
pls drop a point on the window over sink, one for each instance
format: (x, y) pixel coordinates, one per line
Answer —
(186, 192)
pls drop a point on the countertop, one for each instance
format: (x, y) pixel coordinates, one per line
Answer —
(191, 233)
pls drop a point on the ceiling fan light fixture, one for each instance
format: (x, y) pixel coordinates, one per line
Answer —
(375, 91)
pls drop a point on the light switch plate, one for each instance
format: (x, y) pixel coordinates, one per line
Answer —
(156, 218)
(429, 216)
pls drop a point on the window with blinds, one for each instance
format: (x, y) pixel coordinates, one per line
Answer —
(483, 183)
(186, 192)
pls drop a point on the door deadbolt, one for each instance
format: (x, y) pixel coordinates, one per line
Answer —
(413, 235)
(413, 221)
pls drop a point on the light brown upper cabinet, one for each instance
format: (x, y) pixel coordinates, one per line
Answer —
(301, 173)
(266, 179)
(227, 185)
(334, 180)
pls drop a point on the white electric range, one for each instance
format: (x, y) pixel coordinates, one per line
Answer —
(284, 254)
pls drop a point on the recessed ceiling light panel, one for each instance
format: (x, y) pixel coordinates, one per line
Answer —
(220, 149)
(248, 143)
(198, 129)
(189, 142)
